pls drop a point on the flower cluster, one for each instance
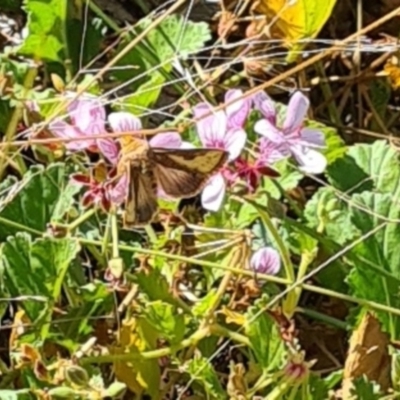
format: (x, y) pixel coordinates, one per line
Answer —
(223, 129)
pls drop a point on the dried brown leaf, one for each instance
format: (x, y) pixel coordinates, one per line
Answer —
(368, 355)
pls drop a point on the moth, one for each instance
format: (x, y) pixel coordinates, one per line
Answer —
(180, 173)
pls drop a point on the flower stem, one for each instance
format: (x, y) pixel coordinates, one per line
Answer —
(19, 227)
(114, 234)
(289, 271)
(85, 216)
(240, 271)
(151, 234)
(148, 355)
(13, 125)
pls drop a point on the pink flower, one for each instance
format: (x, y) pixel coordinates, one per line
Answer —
(87, 117)
(126, 122)
(101, 190)
(222, 130)
(263, 103)
(292, 138)
(266, 260)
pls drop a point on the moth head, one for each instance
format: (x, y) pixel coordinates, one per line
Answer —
(130, 143)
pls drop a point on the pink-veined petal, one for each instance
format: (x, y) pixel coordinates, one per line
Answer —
(310, 161)
(296, 111)
(266, 106)
(64, 130)
(109, 149)
(270, 152)
(312, 138)
(213, 194)
(238, 111)
(234, 142)
(118, 193)
(122, 121)
(203, 125)
(169, 140)
(266, 260)
(265, 128)
(88, 115)
(211, 129)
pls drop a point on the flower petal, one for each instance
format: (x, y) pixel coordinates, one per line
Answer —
(187, 145)
(270, 152)
(266, 106)
(238, 111)
(211, 129)
(122, 121)
(266, 260)
(169, 140)
(109, 149)
(88, 115)
(66, 131)
(296, 111)
(118, 193)
(213, 194)
(312, 137)
(310, 161)
(81, 179)
(234, 142)
(267, 129)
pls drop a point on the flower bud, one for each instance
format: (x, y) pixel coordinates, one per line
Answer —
(266, 260)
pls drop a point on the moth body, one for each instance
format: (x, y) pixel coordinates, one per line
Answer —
(180, 173)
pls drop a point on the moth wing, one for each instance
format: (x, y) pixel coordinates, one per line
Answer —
(205, 161)
(183, 173)
(141, 203)
(178, 183)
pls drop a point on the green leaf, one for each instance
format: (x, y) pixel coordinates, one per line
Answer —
(176, 36)
(246, 213)
(380, 161)
(145, 95)
(155, 286)
(46, 25)
(345, 175)
(376, 273)
(15, 395)
(115, 390)
(91, 300)
(201, 371)
(366, 390)
(288, 180)
(330, 215)
(380, 94)
(88, 32)
(63, 392)
(11, 5)
(201, 308)
(36, 199)
(367, 166)
(166, 320)
(65, 201)
(264, 337)
(36, 268)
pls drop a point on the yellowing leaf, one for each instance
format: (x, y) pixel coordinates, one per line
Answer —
(294, 20)
(140, 376)
(393, 72)
(233, 317)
